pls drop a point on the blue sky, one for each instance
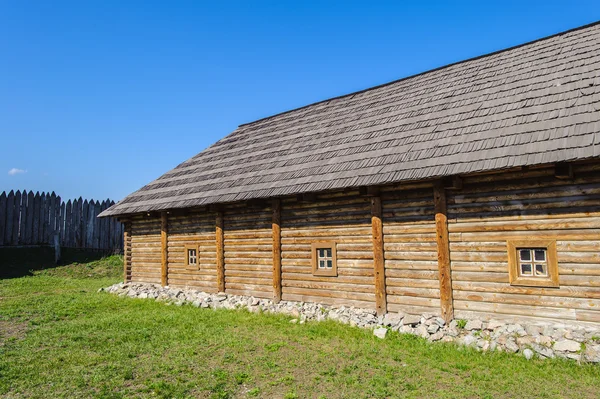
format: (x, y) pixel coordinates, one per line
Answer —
(98, 98)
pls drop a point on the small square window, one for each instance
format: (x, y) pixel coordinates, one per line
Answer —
(324, 259)
(533, 263)
(191, 256)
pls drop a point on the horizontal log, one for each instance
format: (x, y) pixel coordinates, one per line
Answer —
(333, 285)
(414, 301)
(230, 285)
(529, 226)
(248, 255)
(356, 296)
(516, 310)
(328, 301)
(309, 240)
(247, 267)
(249, 292)
(563, 235)
(340, 279)
(564, 291)
(345, 231)
(415, 274)
(342, 271)
(402, 229)
(409, 264)
(416, 310)
(528, 300)
(412, 282)
(401, 238)
(423, 255)
(414, 292)
(249, 281)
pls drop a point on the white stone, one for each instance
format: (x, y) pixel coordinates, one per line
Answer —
(511, 346)
(392, 320)
(566, 345)
(432, 329)
(473, 325)
(528, 353)
(380, 332)
(494, 324)
(592, 353)
(469, 340)
(437, 336)
(421, 331)
(411, 320)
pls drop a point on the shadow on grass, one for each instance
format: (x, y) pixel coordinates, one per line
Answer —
(20, 262)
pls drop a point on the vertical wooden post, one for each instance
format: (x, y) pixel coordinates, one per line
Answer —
(443, 247)
(126, 250)
(378, 261)
(220, 253)
(163, 248)
(276, 222)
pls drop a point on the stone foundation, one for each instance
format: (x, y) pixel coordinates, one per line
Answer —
(548, 341)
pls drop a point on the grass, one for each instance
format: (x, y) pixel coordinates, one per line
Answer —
(59, 337)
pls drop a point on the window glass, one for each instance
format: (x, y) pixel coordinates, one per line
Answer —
(540, 270)
(525, 254)
(540, 255)
(526, 269)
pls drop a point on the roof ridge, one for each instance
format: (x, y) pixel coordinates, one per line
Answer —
(426, 72)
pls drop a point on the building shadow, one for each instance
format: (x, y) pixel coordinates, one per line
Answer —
(20, 262)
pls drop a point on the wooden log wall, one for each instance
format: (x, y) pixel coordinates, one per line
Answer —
(410, 249)
(481, 216)
(146, 254)
(492, 209)
(195, 228)
(248, 250)
(344, 218)
(34, 219)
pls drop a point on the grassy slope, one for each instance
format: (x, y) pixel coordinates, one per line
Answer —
(59, 337)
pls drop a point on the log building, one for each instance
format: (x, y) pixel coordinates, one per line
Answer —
(469, 190)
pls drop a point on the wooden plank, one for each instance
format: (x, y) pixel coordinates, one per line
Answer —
(62, 228)
(43, 219)
(276, 222)
(85, 210)
(58, 216)
(67, 238)
(220, 249)
(23, 219)
(10, 209)
(126, 251)
(76, 215)
(96, 222)
(15, 222)
(378, 259)
(52, 218)
(90, 225)
(442, 238)
(163, 248)
(2, 216)
(105, 230)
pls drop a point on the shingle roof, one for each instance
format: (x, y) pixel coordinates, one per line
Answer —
(531, 104)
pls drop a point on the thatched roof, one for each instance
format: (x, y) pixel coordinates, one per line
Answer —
(531, 104)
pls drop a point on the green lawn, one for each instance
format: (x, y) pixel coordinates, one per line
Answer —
(59, 337)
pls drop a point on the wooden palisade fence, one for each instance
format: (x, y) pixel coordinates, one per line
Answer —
(36, 219)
